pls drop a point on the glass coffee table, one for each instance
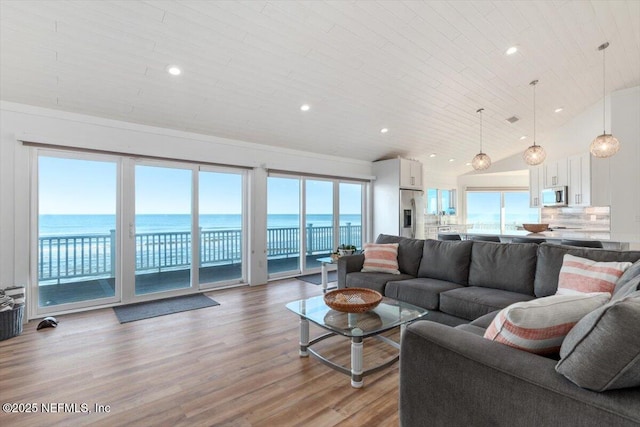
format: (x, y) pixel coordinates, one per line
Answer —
(389, 314)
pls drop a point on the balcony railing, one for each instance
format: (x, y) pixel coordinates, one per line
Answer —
(79, 256)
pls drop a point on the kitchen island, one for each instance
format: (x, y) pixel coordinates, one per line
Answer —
(552, 236)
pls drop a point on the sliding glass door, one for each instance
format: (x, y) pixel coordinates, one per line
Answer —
(163, 224)
(308, 218)
(283, 226)
(77, 234)
(221, 224)
(112, 229)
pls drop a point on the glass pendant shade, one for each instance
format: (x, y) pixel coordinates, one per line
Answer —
(481, 162)
(534, 155)
(605, 145)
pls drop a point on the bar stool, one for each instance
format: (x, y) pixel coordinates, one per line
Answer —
(582, 243)
(486, 238)
(528, 240)
(449, 236)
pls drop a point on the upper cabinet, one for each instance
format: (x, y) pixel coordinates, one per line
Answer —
(579, 180)
(535, 186)
(410, 174)
(555, 173)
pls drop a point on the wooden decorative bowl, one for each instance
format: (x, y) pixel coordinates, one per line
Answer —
(535, 228)
(353, 300)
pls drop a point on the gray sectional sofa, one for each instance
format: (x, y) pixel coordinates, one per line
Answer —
(449, 373)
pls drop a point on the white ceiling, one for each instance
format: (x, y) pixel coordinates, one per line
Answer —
(419, 68)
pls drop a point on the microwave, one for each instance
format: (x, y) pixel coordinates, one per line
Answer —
(555, 196)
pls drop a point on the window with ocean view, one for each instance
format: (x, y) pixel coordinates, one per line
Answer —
(77, 202)
(499, 211)
(325, 200)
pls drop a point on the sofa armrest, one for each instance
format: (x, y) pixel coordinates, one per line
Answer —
(348, 264)
(452, 377)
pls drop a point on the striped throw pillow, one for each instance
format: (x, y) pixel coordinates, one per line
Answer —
(581, 275)
(381, 258)
(540, 325)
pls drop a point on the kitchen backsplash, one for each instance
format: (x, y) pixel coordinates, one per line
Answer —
(592, 218)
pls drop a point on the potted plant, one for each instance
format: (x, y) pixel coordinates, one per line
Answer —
(346, 250)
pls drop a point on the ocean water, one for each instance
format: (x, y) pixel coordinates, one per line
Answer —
(68, 225)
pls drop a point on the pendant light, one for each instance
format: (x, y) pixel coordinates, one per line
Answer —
(481, 161)
(535, 154)
(605, 145)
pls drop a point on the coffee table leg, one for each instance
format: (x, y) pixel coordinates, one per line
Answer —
(304, 337)
(323, 274)
(356, 362)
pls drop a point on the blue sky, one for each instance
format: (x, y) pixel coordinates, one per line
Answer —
(84, 187)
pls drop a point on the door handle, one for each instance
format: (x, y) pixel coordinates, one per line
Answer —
(132, 232)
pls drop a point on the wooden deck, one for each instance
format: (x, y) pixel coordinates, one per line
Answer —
(236, 364)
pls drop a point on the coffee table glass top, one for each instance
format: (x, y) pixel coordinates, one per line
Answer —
(387, 315)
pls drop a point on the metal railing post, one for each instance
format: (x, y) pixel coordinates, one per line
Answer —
(113, 252)
(309, 238)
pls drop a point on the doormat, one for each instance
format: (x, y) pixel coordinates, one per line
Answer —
(316, 279)
(145, 310)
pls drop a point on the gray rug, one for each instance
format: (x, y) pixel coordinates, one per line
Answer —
(145, 310)
(316, 279)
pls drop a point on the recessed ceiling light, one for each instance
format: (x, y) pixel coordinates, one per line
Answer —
(384, 130)
(174, 70)
(512, 50)
(523, 137)
(468, 164)
(432, 155)
(305, 107)
(557, 110)
(452, 160)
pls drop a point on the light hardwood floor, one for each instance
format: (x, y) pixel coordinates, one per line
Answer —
(236, 364)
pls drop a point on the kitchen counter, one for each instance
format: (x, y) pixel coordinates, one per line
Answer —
(554, 236)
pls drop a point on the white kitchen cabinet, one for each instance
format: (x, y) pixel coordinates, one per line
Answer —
(555, 173)
(535, 186)
(410, 174)
(579, 180)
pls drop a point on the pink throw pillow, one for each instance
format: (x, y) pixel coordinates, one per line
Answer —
(581, 275)
(381, 258)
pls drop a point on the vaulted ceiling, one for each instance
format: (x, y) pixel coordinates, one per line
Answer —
(419, 68)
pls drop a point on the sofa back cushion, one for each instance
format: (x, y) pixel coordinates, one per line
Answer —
(550, 259)
(409, 252)
(446, 260)
(507, 266)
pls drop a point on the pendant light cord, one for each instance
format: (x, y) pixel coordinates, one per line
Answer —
(604, 127)
(534, 83)
(480, 111)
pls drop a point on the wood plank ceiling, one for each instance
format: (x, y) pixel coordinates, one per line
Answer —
(419, 68)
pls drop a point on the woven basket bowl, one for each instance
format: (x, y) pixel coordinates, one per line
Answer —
(535, 228)
(353, 300)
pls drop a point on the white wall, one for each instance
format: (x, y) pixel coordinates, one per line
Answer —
(35, 124)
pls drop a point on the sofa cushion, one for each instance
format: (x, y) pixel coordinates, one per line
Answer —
(473, 302)
(602, 352)
(581, 275)
(375, 281)
(422, 291)
(446, 260)
(380, 258)
(507, 266)
(539, 326)
(485, 321)
(470, 327)
(629, 274)
(409, 252)
(550, 258)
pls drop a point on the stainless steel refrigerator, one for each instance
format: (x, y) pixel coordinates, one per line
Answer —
(412, 214)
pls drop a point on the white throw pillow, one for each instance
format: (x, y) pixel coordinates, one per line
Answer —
(581, 275)
(540, 325)
(381, 258)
